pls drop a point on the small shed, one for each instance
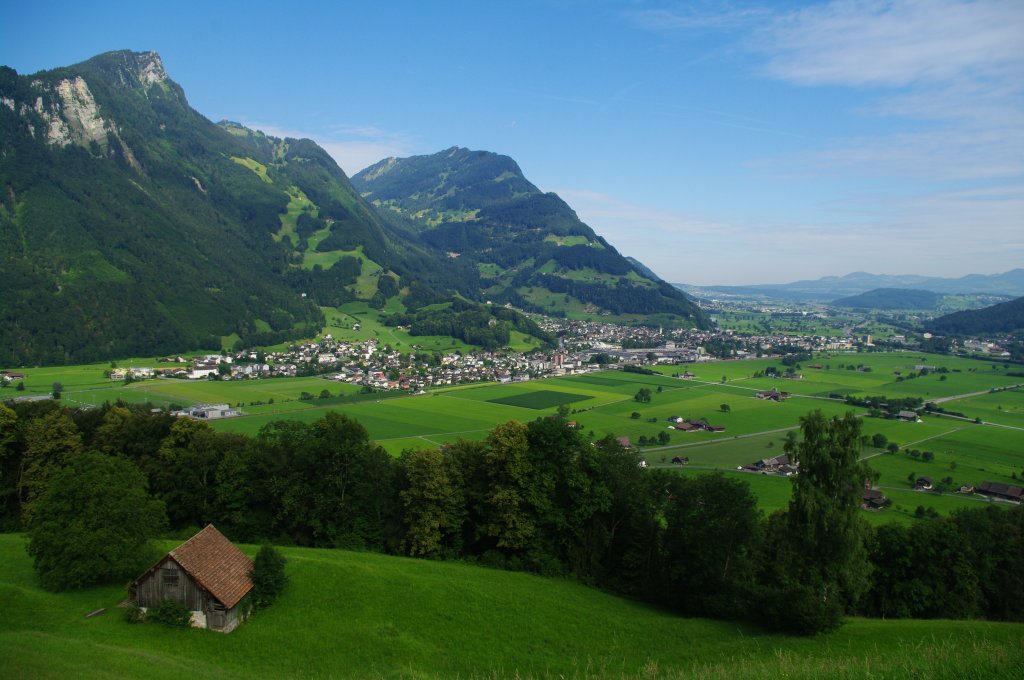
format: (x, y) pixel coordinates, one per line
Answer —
(208, 573)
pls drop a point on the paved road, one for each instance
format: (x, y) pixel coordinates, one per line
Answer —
(941, 400)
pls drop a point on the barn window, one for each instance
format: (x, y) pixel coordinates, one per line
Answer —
(170, 577)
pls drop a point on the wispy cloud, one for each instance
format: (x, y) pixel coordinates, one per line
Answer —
(939, 90)
(697, 16)
(352, 147)
(958, 66)
(894, 44)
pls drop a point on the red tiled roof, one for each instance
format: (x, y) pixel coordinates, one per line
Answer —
(216, 564)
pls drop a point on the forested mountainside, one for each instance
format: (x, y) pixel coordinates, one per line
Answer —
(132, 225)
(129, 223)
(891, 298)
(1006, 317)
(528, 247)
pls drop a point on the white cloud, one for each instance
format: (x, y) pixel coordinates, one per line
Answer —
(939, 87)
(893, 44)
(699, 16)
(943, 233)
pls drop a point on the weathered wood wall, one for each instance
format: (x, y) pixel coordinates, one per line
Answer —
(170, 582)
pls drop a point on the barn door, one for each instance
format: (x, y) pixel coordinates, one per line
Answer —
(217, 616)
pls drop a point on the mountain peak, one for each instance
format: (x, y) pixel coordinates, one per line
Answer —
(129, 69)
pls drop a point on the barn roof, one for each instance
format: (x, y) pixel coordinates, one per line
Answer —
(216, 565)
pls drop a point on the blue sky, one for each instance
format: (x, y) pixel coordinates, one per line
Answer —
(717, 142)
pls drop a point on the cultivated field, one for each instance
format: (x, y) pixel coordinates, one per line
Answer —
(363, 615)
(961, 451)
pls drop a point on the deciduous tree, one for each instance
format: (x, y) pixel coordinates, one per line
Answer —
(92, 522)
(818, 560)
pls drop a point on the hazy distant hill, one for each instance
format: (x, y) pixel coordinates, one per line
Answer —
(1006, 317)
(1009, 283)
(528, 247)
(891, 298)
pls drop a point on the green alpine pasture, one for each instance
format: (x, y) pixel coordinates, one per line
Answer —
(364, 615)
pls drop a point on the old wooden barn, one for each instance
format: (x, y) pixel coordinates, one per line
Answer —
(206, 572)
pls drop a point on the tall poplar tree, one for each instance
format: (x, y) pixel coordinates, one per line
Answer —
(819, 566)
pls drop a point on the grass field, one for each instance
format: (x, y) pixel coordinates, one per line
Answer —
(361, 615)
(603, 403)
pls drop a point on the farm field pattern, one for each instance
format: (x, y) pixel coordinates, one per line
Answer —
(602, 403)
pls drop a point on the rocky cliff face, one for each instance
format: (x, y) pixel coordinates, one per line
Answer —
(63, 111)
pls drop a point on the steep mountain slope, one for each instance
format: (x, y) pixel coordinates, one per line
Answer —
(125, 225)
(132, 225)
(528, 248)
(1006, 317)
(891, 298)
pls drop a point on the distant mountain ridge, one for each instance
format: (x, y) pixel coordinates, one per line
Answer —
(891, 298)
(529, 248)
(828, 288)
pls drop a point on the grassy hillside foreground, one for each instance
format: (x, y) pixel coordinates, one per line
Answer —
(362, 615)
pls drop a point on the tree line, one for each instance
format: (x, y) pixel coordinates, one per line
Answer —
(539, 497)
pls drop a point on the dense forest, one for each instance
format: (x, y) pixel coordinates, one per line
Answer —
(479, 209)
(891, 298)
(1006, 317)
(539, 497)
(487, 326)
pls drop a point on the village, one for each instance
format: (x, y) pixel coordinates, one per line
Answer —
(374, 365)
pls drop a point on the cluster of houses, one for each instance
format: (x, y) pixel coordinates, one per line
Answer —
(985, 347)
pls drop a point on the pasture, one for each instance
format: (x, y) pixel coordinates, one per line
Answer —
(360, 615)
(603, 404)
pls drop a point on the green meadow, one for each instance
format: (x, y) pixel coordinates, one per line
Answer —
(364, 615)
(603, 404)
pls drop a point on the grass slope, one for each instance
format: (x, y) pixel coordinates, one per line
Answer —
(359, 615)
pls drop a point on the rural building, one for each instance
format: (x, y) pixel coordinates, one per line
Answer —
(779, 465)
(1006, 492)
(206, 572)
(772, 395)
(694, 425)
(208, 412)
(873, 499)
(910, 416)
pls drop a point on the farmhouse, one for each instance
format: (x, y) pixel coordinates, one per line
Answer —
(772, 395)
(779, 465)
(207, 573)
(872, 499)
(909, 416)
